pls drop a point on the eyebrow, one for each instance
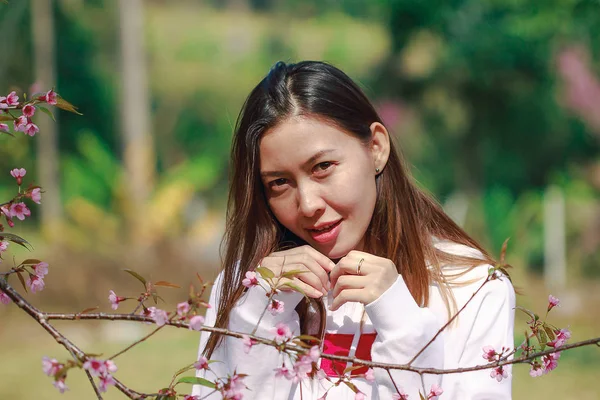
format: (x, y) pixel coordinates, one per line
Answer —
(311, 160)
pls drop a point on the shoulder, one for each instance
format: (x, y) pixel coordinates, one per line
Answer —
(464, 282)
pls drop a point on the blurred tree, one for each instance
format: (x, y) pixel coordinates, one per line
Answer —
(481, 76)
(45, 78)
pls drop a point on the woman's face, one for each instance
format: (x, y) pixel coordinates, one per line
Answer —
(320, 181)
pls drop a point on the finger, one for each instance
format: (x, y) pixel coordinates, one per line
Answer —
(346, 295)
(348, 266)
(306, 289)
(320, 258)
(307, 275)
(323, 260)
(309, 262)
(349, 282)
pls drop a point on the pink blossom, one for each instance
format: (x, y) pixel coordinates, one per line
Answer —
(202, 363)
(359, 396)
(104, 381)
(370, 375)
(282, 332)
(41, 269)
(250, 279)
(248, 343)
(281, 372)
(401, 395)
(196, 322)
(232, 390)
(4, 299)
(275, 307)
(110, 366)
(114, 299)
(561, 338)
(35, 283)
(60, 385)
(499, 373)
(159, 316)
(314, 353)
(20, 123)
(550, 361)
(95, 367)
(49, 97)
(19, 210)
(190, 397)
(50, 366)
(552, 302)
(301, 369)
(28, 110)
(36, 195)
(434, 392)
(18, 174)
(536, 370)
(3, 245)
(489, 353)
(183, 308)
(6, 211)
(31, 129)
(12, 99)
(3, 128)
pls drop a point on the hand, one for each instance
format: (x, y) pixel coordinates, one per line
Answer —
(314, 281)
(376, 276)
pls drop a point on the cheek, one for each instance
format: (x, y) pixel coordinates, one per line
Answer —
(283, 210)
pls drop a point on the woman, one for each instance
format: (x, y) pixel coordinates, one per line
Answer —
(318, 186)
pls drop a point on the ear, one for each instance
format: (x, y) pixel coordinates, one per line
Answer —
(380, 146)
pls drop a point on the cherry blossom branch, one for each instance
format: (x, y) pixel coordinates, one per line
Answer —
(75, 351)
(487, 279)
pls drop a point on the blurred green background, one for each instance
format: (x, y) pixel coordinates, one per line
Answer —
(495, 103)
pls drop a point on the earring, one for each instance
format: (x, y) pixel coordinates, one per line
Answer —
(376, 170)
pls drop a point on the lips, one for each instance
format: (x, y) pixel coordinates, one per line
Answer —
(326, 232)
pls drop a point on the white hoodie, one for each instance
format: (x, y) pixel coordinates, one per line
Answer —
(402, 328)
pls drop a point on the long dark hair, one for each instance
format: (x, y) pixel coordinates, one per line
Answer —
(405, 218)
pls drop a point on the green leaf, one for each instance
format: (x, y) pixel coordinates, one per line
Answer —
(291, 274)
(65, 105)
(47, 112)
(167, 284)
(352, 368)
(196, 381)
(549, 332)
(351, 386)
(20, 275)
(295, 287)
(309, 338)
(30, 261)
(6, 118)
(421, 396)
(266, 273)
(16, 239)
(526, 311)
(136, 276)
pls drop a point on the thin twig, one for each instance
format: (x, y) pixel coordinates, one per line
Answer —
(135, 343)
(487, 279)
(98, 395)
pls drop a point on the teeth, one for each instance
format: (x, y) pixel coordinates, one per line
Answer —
(325, 228)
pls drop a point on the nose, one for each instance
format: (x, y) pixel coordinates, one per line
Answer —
(310, 200)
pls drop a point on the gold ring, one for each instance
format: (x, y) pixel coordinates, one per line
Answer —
(359, 265)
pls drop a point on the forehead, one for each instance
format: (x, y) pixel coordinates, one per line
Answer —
(297, 139)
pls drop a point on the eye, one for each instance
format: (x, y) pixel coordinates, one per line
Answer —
(277, 183)
(323, 167)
